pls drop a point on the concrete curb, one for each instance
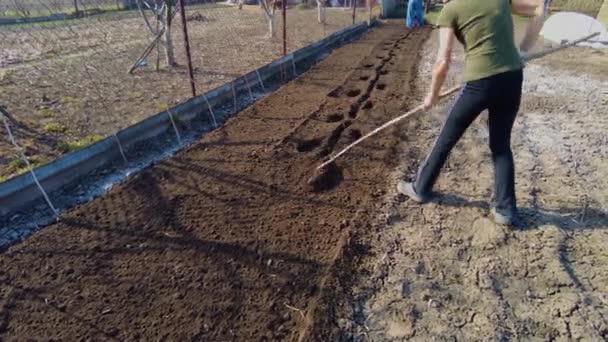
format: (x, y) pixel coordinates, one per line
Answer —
(19, 192)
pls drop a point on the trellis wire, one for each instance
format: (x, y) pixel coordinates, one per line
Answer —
(78, 64)
(29, 166)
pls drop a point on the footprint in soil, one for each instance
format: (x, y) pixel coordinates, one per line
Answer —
(368, 105)
(380, 86)
(364, 78)
(354, 134)
(353, 93)
(334, 117)
(354, 110)
(383, 72)
(308, 145)
(368, 65)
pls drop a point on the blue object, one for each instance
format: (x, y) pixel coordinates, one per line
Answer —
(415, 14)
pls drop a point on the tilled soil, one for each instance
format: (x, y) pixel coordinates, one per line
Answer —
(445, 272)
(67, 84)
(225, 241)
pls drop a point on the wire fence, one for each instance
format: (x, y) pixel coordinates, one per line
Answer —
(73, 72)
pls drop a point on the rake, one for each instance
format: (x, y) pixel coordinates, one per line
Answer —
(443, 95)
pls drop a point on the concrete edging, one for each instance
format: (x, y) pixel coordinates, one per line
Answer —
(20, 191)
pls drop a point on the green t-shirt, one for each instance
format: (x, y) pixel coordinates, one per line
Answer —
(485, 29)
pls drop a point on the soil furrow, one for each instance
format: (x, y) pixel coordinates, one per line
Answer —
(222, 241)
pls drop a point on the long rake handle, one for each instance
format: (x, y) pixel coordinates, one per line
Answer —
(387, 124)
(443, 95)
(561, 47)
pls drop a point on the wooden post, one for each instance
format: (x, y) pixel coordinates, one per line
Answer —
(284, 10)
(354, 10)
(182, 12)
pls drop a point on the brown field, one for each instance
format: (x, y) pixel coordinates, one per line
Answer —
(225, 241)
(67, 82)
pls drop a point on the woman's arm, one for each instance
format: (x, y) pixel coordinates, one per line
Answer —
(442, 65)
(536, 9)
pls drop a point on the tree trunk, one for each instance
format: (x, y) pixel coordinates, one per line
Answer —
(321, 11)
(167, 18)
(76, 9)
(271, 28)
(268, 8)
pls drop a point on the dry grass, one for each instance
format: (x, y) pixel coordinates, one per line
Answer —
(590, 7)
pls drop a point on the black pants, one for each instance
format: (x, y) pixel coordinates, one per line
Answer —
(500, 95)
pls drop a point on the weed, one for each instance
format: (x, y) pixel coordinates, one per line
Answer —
(45, 113)
(54, 127)
(70, 146)
(135, 94)
(17, 163)
(18, 166)
(161, 106)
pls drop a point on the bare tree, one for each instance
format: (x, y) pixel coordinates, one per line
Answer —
(321, 11)
(269, 7)
(164, 12)
(166, 21)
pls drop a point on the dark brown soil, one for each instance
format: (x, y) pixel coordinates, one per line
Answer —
(224, 241)
(67, 84)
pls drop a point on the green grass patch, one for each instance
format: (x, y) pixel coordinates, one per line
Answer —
(70, 146)
(54, 127)
(45, 113)
(603, 14)
(17, 163)
(18, 166)
(161, 106)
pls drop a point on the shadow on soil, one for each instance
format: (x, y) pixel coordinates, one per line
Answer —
(567, 219)
(535, 217)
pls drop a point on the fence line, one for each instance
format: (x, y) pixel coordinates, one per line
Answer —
(93, 71)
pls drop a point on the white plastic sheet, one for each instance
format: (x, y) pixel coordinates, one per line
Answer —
(568, 26)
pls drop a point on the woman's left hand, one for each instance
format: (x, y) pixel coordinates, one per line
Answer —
(430, 101)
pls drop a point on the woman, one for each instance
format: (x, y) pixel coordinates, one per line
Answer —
(493, 74)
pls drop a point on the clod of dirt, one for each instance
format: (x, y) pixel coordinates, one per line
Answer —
(368, 65)
(335, 93)
(381, 86)
(354, 134)
(353, 93)
(336, 117)
(308, 145)
(325, 179)
(354, 110)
